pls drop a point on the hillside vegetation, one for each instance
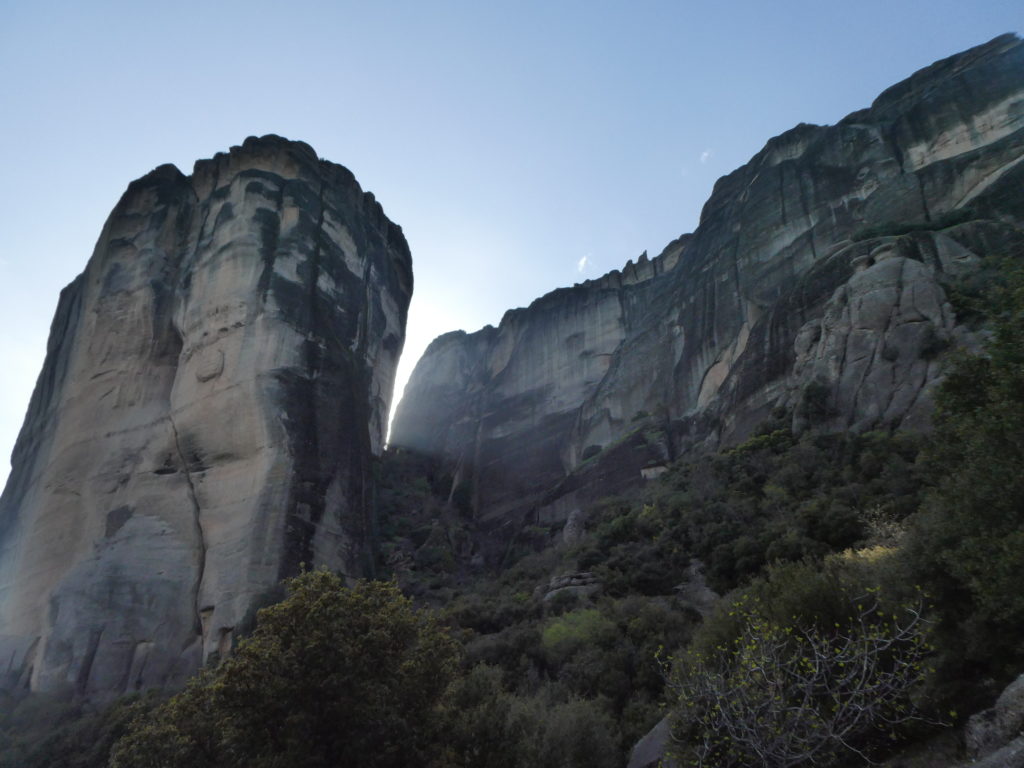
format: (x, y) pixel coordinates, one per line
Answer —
(896, 555)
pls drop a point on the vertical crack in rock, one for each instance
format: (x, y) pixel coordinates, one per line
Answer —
(313, 361)
(367, 506)
(197, 519)
(193, 498)
(315, 351)
(307, 496)
(207, 204)
(85, 671)
(929, 375)
(924, 197)
(807, 214)
(845, 352)
(858, 389)
(897, 310)
(737, 274)
(270, 235)
(894, 146)
(782, 193)
(478, 443)
(366, 316)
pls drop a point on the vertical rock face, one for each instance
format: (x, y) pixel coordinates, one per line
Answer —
(816, 281)
(215, 386)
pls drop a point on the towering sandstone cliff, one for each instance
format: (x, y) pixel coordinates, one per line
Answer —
(215, 385)
(783, 299)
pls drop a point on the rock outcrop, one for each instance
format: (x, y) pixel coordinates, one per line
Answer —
(570, 585)
(995, 737)
(816, 283)
(650, 751)
(216, 384)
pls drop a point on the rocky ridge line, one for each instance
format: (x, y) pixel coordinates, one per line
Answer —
(816, 283)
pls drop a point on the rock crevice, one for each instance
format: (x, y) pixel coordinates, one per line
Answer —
(197, 516)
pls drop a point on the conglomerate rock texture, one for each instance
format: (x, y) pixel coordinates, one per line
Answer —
(215, 386)
(815, 284)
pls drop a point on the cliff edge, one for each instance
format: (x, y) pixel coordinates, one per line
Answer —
(815, 284)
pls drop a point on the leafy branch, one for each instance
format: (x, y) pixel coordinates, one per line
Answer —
(783, 696)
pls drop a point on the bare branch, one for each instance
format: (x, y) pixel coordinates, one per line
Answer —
(785, 696)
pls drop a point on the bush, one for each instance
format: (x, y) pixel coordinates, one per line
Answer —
(574, 631)
(331, 676)
(967, 545)
(773, 498)
(478, 727)
(577, 734)
(50, 731)
(790, 693)
(488, 726)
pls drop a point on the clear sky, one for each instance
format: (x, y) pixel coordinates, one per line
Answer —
(522, 146)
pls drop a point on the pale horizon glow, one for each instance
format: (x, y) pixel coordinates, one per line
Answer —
(520, 146)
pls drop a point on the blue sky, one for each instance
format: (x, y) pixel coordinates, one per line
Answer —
(521, 146)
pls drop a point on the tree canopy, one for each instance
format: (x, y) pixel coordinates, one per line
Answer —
(331, 677)
(967, 545)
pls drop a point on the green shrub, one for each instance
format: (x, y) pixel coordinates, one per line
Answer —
(478, 726)
(804, 667)
(330, 676)
(573, 631)
(488, 726)
(51, 731)
(577, 734)
(967, 545)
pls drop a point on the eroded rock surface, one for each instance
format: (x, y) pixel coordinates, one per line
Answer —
(215, 386)
(816, 281)
(650, 751)
(570, 585)
(999, 727)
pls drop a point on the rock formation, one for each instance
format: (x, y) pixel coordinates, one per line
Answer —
(215, 385)
(995, 736)
(815, 284)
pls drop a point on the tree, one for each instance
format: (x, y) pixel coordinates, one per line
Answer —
(330, 677)
(967, 545)
(490, 727)
(786, 695)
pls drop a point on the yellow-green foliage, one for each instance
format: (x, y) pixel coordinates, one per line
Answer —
(776, 682)
(570, 632)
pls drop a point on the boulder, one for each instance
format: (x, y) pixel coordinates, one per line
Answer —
(582, 584)
(999, 726)
(649, 752)
(694, 593)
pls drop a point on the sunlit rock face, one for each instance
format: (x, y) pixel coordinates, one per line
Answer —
(782, 298)
(215, 386)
